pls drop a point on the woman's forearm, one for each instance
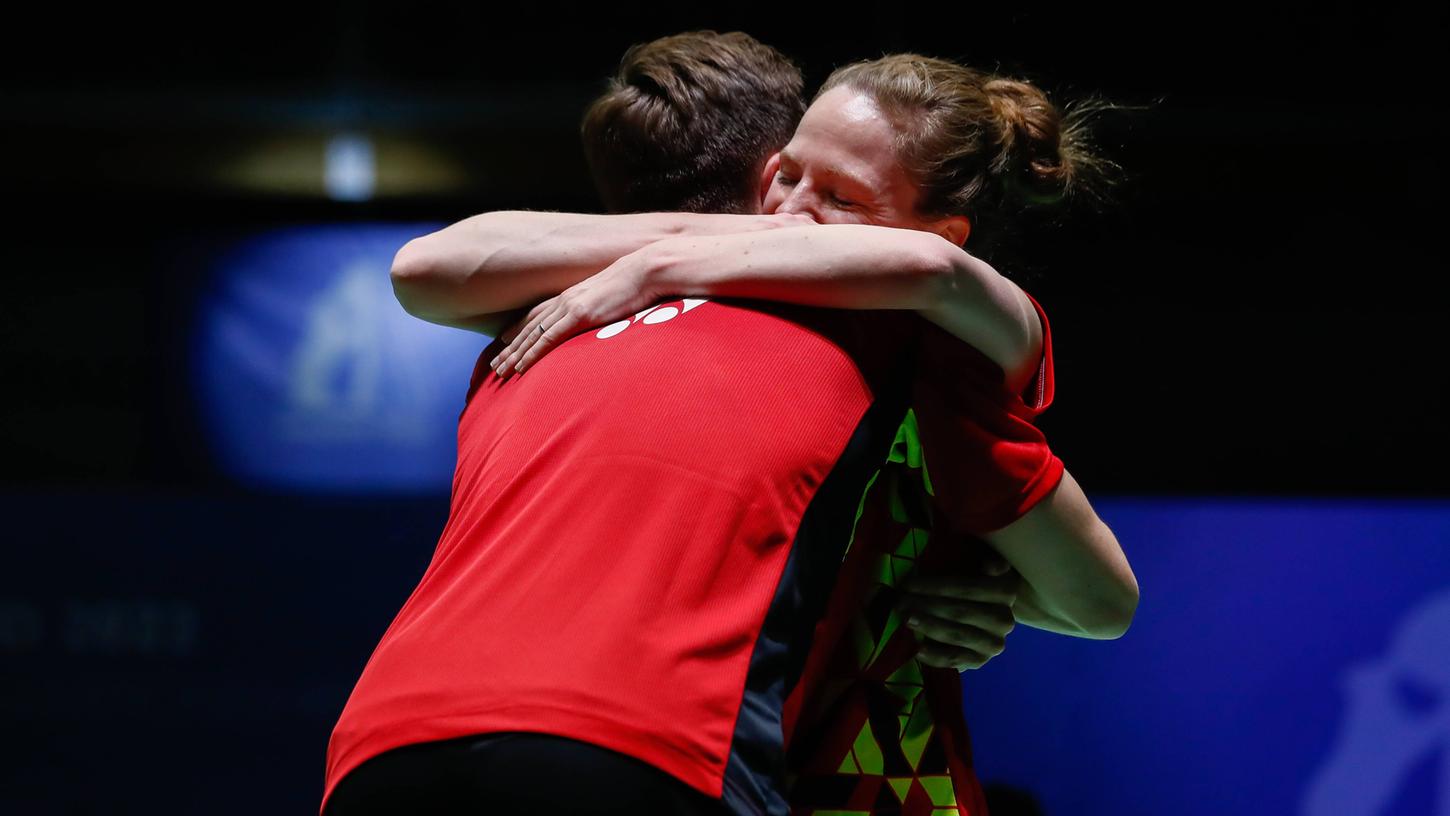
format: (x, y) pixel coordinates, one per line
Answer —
(844, 266)
(859, 266)
(1031, 609)
(1073, 569)
(512, 258)
(505, 260)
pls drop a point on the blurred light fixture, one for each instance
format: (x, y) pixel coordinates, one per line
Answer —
(350, 167)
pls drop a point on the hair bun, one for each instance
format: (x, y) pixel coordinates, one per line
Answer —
(1032, 160)
(988, 147)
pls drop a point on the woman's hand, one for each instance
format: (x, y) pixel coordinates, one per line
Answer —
(961, 621)
(615, 292)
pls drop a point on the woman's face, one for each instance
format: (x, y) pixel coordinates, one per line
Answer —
(840, 168)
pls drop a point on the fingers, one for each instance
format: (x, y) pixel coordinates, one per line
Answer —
(524, 340)
(960, 632)
(534, 312)
(1000, 589)
(515, 337)
(945, 656)
(520, 346)
(508, 335)
(545, 341)
(981, 626)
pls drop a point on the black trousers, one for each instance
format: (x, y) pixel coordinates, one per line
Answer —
(513, 773)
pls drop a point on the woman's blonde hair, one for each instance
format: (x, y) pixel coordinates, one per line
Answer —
(981, 145)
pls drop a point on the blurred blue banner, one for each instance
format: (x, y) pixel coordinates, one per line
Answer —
(186, 654)
(309, 374)
(1288, 657)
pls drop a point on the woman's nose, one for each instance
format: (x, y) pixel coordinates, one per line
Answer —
(800, 201)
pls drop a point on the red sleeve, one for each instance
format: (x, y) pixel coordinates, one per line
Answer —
(986, 462)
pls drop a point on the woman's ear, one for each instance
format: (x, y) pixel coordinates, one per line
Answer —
(767, 175)
(954, 228)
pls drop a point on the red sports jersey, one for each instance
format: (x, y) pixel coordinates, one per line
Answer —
(645, 530)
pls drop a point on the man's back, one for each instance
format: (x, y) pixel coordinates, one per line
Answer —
(645, 529)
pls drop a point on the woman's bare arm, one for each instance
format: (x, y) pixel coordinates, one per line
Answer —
(1076, 579)
(505, 260)
(497, 261)
(858, 266)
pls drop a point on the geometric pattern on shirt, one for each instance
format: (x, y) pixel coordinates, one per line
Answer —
(875, 748)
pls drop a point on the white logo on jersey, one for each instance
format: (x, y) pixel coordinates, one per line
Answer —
(653, 314)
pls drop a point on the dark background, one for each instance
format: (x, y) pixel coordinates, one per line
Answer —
(1259, 312)
(1258, 315)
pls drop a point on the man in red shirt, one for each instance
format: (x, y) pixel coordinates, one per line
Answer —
(729, 520)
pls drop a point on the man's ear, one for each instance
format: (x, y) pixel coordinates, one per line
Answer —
(767, 174)
(954, 228)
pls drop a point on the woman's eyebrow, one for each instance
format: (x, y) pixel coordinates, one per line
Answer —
(835, 172)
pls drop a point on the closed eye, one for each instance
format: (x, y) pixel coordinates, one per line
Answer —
(786, 181)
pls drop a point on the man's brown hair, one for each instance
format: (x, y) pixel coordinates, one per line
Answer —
(688, 121)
